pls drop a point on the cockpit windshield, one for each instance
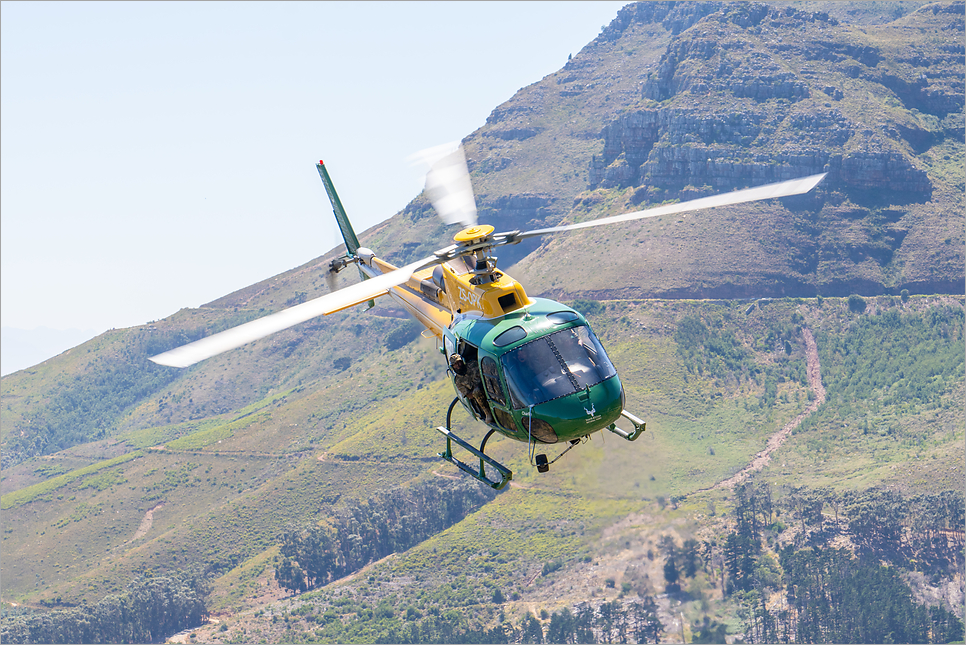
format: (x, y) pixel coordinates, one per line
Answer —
(555, 365)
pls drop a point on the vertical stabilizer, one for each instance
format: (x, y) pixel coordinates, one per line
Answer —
(348, 235)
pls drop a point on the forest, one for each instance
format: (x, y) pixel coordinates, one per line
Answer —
(828, 594)
(385, 523)
(147, 611)
(625, 621)
(777, 564)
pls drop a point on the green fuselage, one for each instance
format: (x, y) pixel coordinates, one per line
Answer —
(537, 373)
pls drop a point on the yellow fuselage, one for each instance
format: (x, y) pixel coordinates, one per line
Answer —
(436, 302)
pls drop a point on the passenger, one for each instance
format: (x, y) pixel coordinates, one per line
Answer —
(470, 386)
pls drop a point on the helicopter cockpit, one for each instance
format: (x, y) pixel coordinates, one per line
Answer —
(555, 365)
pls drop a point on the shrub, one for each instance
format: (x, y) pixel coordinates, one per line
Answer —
(856, 304)
(404, 334)
(342, 363)
(588, 307)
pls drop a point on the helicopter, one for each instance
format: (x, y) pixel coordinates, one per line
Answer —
(528, 368)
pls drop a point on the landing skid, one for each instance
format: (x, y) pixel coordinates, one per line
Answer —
(630, 436)
(505, 473)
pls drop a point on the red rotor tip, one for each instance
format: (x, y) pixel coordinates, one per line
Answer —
(320, 163)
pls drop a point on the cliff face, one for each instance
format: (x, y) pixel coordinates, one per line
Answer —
(753, 94)
(676, 147)
(745, 94)
(680, 100)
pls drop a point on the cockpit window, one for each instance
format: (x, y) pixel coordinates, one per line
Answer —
(555, 365)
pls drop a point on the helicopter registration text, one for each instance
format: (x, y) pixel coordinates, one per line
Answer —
(470, 297)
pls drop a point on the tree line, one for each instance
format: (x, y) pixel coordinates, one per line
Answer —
(147, 611)
(835, 595)
(626, 621)
(388, 522)
(631, 621)
(923, 532)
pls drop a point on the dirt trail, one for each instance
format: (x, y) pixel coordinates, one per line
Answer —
(777, 439)
(147, 522)
(364, 570)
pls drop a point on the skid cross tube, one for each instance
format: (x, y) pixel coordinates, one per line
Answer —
(505, 473)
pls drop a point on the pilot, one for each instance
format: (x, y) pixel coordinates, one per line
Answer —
(527, 358)
(539, 360)
(470, 386)
(532, 371)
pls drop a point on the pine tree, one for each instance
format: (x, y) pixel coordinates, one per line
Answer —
(532, 630)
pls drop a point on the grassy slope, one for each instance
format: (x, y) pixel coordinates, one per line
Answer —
(597, 511)
(228, 501)
(213, 473)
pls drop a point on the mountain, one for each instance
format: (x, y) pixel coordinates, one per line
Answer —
(118, 470)
(586, 141)
(26, 347)
(676, 100)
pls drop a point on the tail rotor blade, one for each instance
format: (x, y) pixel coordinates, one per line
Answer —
(331, 280)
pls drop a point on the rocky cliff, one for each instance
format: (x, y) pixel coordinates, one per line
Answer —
(678, 100)
(745, 94)
(754, 94)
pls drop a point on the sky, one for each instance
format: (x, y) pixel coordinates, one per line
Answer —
(155, 156)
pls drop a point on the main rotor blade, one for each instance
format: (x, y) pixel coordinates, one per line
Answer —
(448, 185)
(251, 331)
(768, 191)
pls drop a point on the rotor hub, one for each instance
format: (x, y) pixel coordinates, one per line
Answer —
(474, 233)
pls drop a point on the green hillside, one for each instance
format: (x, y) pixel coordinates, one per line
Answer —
(309, 458)
(223, 493)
